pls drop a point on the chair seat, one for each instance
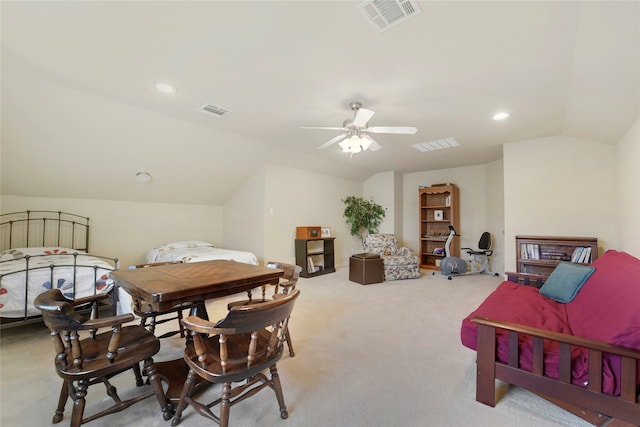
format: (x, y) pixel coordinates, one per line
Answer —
(477, 252)
(137, 344)
(400, 260)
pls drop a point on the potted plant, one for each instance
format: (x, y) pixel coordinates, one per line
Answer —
(363, 216)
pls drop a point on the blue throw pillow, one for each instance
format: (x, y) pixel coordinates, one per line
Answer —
(565, 281)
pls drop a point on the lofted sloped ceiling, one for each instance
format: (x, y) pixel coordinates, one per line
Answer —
(80, 116)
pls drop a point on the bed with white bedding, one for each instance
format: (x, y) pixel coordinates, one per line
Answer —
(196, 251)
(42, 250)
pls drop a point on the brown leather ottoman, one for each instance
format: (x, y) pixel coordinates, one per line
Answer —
(366, 269)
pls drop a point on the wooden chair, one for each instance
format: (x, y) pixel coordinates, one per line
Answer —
(146, 314)
(287, 283)
(84, 362)
(237, 349)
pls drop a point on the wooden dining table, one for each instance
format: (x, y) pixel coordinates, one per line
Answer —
(168, 286)
(164, 287)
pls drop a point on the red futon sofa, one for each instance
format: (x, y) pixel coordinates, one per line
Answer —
(582, 354)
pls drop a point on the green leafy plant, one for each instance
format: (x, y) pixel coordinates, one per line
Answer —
(363, 216)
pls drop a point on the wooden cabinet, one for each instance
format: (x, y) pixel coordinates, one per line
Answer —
(315, 256)
(540, 254)
(439, 209)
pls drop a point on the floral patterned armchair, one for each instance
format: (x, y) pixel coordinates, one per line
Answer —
(399, 263)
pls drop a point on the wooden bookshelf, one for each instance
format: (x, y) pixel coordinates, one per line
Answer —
(539, 255)
(438, 210)
(315, 256)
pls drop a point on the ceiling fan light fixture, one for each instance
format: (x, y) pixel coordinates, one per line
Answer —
(355, 138)
(365, 143)
(354, 144)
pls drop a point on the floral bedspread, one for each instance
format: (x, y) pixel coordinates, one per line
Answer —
(14, 289)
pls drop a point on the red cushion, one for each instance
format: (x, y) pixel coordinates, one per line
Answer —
(606, 309)
(524, 305)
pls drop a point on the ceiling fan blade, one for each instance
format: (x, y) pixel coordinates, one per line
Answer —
(407, 130)
(362, 117)
(322, 127)
(332, 141)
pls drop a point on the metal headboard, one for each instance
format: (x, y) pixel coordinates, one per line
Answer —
(44, 228)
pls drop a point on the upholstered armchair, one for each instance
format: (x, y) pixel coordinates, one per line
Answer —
(399, 262)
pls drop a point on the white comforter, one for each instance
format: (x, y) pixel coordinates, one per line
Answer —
(13, 278)
(197, 251)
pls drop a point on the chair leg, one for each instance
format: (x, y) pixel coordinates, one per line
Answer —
(186, 391)
(79, 403)
(288, 338)
(182, 334)
(138, 375)
(225, 405)
(154, 379)
(62, 401)
(277, 387)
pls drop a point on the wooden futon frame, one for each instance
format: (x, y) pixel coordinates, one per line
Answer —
(589, 403)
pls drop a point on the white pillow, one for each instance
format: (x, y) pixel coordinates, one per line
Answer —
(185, 244)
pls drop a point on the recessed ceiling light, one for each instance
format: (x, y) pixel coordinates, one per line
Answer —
(500, 116)
(143, 177)
(165, 87)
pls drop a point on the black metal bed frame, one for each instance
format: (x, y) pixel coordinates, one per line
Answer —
(21, 226)
(42, 229)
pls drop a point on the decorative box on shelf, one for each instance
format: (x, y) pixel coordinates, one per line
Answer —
(308, 232)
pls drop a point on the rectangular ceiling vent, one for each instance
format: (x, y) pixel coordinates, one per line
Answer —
(438, 144)
(384, 14)
(216, 111)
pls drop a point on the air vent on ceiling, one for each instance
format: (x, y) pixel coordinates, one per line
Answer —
(384, 14)
(438, 144)
(216, 111)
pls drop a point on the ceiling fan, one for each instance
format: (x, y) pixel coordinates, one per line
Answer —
(356, 136)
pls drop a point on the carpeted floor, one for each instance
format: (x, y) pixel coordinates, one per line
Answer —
(385, 354)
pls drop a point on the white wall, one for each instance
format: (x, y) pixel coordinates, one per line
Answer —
(481, 205)
(560, 186)
(127, 230)
(628, 186)
(244, 227)
(494, 200)
(381, 188)
(262, 217)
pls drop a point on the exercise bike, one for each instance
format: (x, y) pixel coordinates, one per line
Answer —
(454, 266)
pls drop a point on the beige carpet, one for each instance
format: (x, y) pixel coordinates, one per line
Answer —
(378, 355)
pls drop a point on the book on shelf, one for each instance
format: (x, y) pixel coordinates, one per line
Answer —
(310, 267)
(585, 256)
(555, 255)
(577, 254)
(530, 251)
